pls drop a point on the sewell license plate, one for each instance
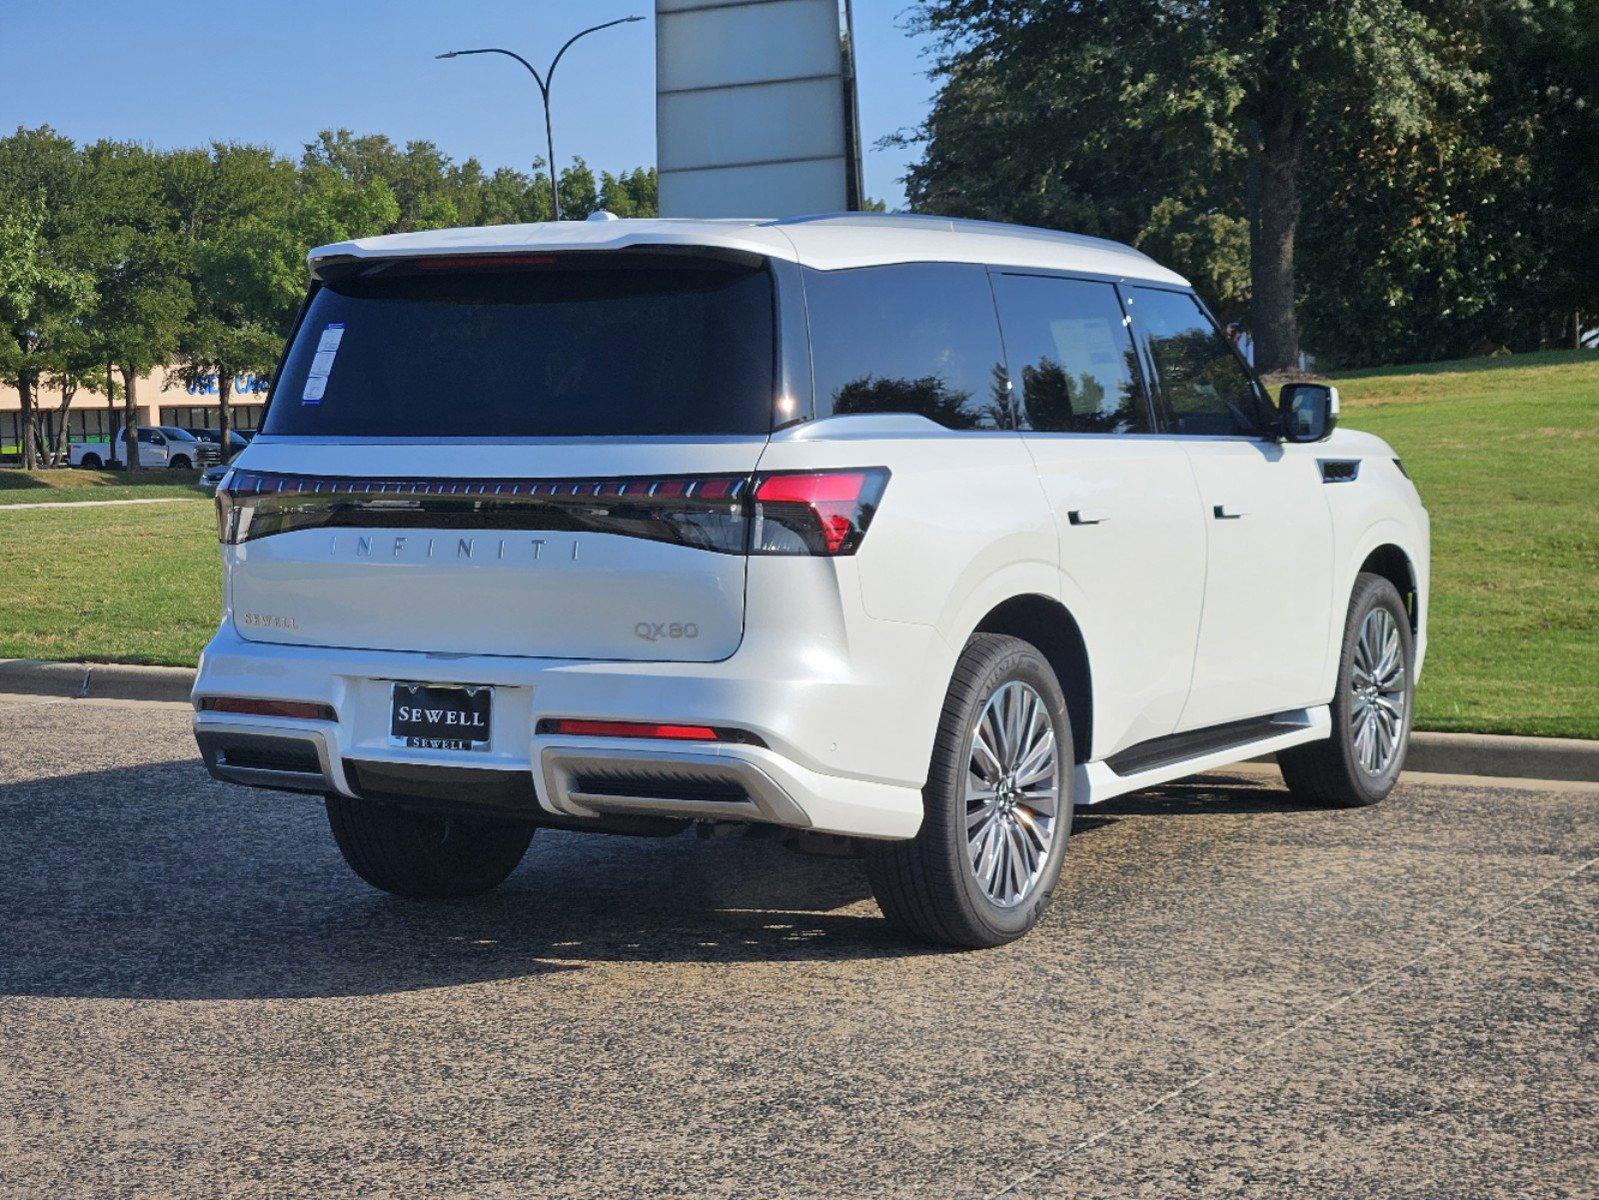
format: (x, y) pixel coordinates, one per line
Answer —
(425, 716)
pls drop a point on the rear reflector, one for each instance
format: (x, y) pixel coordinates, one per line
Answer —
(660, 730)
(634, 729)
(297, 709)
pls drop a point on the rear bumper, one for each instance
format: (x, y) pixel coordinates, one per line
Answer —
(793, 780)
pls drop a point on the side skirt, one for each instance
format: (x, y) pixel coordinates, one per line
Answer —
(1189, 753)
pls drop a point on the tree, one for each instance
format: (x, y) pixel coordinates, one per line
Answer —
(237, 198)
(1172, 122)
(142, 297)
(43, 293)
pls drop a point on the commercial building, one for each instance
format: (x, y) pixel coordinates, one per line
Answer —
(162, 401)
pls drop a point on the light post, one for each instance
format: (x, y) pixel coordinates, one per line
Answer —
(544, 81)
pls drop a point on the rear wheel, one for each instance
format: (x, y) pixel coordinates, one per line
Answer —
(983, 867)
(422, 856)
(92, 462)
(1371, 710)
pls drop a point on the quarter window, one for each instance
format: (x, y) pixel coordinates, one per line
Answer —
(1204, 388)
(913, 338)
(1071, 355)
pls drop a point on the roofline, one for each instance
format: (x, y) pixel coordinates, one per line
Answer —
(800, 239)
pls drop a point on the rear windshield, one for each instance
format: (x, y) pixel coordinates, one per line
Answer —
(550, 349)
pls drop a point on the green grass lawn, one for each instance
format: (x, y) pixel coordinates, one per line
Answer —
(1504, 450)
(138, 584)
(67, 484)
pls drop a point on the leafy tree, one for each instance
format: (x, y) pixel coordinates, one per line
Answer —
(142, 295)
(1169, 123)
(43, 292)
(239, 193)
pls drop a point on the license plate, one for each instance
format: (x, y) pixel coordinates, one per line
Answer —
(426, 716)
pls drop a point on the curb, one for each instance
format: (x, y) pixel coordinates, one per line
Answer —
(1496, 756)
(1486, 755)
(1572, 759)
(95, 681)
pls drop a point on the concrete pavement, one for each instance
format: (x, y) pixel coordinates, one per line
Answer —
(1234, 995)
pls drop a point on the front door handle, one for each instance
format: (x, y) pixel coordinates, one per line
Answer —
(1087, 516)
(1229, 512)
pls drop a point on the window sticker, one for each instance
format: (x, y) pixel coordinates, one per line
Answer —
(327, 349)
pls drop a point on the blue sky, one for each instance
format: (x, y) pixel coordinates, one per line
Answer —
(181, 73)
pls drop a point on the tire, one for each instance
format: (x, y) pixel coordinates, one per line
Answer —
(930, 887)
(91, 462)
(425, 857)
(1350, 770)
(180, 463)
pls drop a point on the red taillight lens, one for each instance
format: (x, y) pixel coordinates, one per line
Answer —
(297, 709)
(816, 512)
(633, 729)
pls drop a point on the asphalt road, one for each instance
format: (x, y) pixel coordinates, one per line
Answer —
(1234, 996)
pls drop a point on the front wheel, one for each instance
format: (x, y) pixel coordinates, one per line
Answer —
(426, 857)
(982, 869)
(180, 463)
(1371, 710)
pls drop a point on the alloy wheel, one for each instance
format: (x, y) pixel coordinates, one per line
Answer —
(1012, 793)
(1379, 692)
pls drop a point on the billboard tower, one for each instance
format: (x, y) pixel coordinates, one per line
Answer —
(755, 108)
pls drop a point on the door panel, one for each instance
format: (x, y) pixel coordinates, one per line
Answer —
(1125, 505)
(1132, 545)
(1268, 587)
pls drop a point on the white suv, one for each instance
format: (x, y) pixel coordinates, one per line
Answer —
(912, 531)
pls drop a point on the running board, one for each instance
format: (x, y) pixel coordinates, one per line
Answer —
(1188, 753)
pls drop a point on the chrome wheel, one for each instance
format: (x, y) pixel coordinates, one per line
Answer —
(1012, 793)
(1379, 692)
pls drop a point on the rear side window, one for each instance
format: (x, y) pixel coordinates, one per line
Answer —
(1204, 389)
(1071, 354)
(916, 338)
(553, 349)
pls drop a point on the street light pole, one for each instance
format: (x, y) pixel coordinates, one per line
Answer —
(544, 81)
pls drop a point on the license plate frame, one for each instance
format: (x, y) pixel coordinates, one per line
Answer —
(472, 706)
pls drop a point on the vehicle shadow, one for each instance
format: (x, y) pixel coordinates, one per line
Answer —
(153, 882)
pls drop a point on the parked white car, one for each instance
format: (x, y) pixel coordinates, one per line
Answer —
(913, 531)
(159, 446)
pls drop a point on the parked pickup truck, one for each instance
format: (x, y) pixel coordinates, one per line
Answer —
(159, 446)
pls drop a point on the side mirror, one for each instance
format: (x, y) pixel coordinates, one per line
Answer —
(1309, 411)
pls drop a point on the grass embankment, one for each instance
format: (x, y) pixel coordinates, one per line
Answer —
(1505, 452)
(68, 485)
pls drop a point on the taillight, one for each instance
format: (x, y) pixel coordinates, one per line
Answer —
(707, 512)
(800, 512)
(298, 709)
(815, 512)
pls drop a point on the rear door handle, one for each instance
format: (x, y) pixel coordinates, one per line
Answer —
(1087, 516)
(1229, 512)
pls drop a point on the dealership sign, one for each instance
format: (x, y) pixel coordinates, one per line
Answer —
(755, 108)
(243, 385)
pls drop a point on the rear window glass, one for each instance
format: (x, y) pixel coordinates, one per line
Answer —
(919, 338)
(548, 350)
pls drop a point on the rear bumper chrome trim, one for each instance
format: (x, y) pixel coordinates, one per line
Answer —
(662, 782)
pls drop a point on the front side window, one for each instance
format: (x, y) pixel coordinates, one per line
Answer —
(595, 345)
(1204, 389)
(1071, 354)
(913, 338)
